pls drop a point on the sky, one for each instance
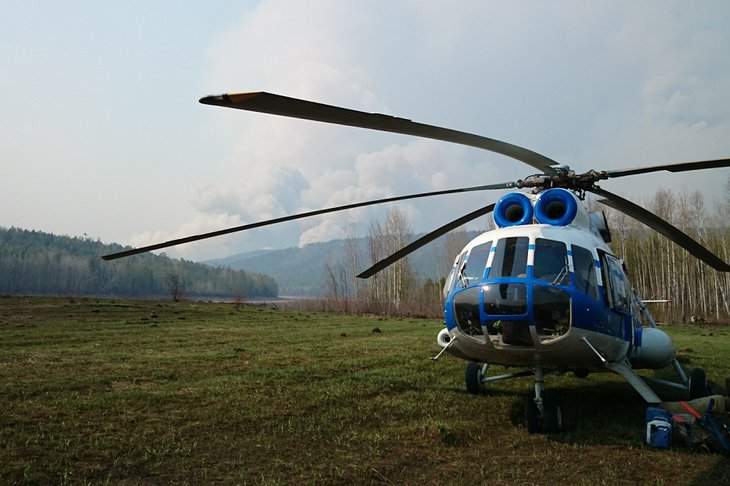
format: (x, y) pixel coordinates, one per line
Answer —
(102, 135)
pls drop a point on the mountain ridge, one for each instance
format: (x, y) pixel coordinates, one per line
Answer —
(301, 271)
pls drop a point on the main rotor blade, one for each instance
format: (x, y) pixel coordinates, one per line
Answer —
(189, 239)
(681, 167)
(655, 222)
(297, 108)
(424, 240)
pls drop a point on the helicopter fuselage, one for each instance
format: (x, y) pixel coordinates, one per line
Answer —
(546, 293)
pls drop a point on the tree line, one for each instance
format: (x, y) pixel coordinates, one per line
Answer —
(38, 263)
(658, 268)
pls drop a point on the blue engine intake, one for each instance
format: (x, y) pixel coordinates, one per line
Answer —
(556, 207)
(512, 210)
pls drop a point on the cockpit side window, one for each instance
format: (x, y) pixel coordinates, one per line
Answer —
(619, 283)
(510, 258)
(476, 263)
(614, 281)
(551, 262)
(452, 278)
(585, 271)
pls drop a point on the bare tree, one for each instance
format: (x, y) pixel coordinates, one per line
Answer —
(175, 285)
(389, 287)
(336, 279)
(353, 261)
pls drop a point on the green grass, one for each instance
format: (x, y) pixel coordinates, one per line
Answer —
(147, 392)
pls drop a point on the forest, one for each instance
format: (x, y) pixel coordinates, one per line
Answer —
(37, 263)
(659, 269)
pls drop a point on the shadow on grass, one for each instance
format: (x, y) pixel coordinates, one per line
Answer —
(597, 413)
(609, 414)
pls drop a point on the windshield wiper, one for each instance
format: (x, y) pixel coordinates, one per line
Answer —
(564, 272)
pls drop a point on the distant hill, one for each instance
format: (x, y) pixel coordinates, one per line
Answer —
(37, 263)
(301, 271)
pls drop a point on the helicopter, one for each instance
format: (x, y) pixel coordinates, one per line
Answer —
(543, 291)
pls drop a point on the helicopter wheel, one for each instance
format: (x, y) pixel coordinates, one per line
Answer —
(473, 378)
(552, 421)
(532, 416)
(697, 384)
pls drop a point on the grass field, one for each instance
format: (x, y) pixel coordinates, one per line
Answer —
(157, 392)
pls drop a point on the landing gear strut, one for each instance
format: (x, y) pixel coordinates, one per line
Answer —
(542, 414)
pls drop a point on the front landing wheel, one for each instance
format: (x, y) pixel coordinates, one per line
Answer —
(473, 378)
(552, 422)
(532, 416)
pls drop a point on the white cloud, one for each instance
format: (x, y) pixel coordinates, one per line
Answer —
(602, 85)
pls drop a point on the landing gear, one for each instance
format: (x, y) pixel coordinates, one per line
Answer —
(542, 414)
(552, 421)
(473, 378)
(532, 416)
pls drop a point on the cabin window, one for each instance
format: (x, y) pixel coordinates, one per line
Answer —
(476, 263)
(585, 271)
(551, 262)
(510, 258)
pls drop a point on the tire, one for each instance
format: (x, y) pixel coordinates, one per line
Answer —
(473, 378)
(552, 422)
(532, 416)
(697, 384)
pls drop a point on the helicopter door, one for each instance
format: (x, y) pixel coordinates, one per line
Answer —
(615, 290)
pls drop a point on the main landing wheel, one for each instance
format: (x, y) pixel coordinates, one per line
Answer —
(697, 384)
(473, 378)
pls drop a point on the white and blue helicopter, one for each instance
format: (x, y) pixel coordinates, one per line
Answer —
(543, 292)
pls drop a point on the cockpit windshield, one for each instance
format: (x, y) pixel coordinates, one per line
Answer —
(510, 258)
(551, 262)
(551, 265)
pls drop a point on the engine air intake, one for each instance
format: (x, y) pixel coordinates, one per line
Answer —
(556, 207)
(512, 210)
